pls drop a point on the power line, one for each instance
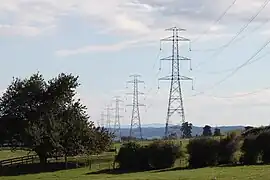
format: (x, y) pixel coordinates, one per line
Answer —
(243, 65)
(242, 95)
(217, 21)
(135, 116)
(235, 96)
(232, 69)
(237, 34)
(175, 102)
(236, 69)
(254, 30)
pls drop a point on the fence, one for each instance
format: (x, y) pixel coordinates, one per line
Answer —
(19, 160)
(105, 160)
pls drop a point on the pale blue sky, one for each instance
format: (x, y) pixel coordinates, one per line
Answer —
(105, 41)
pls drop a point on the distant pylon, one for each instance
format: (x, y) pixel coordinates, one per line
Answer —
(101, 121)
(108, 120)
(135, 116)
(175, 102)
(117, 116)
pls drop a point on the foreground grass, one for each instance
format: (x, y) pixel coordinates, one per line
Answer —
(224, 173)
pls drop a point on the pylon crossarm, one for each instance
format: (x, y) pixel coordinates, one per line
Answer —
(166, 78)
(184, 58)
(175, 39)
(185, 78)
(175, 29)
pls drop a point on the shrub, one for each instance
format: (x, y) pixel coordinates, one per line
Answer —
(262, 142)
(227, 148)
(143, 158)
(203, 152)
(250, 150)
(132, 156)
(163, 154)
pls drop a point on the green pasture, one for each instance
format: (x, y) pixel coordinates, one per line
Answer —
(220, 173)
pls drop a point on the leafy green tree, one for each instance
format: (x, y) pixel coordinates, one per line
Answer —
(187, 130)
(217, 132)
(207, 131)
(46, 118)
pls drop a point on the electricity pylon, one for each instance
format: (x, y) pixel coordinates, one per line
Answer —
(117, 116)
(101, 121)
(135, 116)
(175, 102)
(108, 119)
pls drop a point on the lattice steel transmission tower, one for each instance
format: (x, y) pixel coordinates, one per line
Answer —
(175, 102)
(117, 116)
(108, 119)
(135, 116)
(102, 118)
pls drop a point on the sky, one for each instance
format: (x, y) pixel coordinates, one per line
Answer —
(104, 42)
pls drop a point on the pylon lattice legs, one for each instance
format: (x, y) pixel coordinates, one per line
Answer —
(175, 103)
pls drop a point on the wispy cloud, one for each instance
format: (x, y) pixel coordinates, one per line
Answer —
(137, 19)
(98, 48)
(125, 16)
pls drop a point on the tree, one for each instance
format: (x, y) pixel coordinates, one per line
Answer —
(217, 132)
(172, 135)
(46, 118)
(207, 131)
(187, 130)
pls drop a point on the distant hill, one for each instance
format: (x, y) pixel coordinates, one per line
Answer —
(157, 131)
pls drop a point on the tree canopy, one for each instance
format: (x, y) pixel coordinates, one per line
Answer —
(46, 118)
(207, 130)
(217, 132)
(187, 130)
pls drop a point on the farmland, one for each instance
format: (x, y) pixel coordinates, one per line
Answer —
(221, 173)
(99, 171)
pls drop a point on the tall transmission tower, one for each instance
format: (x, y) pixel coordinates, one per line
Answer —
(175, 102)
(117, 116)
(102, 118)
(108, 119)
(135, 116)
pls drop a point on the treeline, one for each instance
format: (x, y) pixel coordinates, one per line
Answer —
(251, 147)
(45, 117)
(186, 130)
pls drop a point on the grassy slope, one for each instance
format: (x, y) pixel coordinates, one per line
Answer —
(236, 173)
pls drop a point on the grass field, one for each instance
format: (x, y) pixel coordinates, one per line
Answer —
(220, 173)
(7, 154)
(225, 173)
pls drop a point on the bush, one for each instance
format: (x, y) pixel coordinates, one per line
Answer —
(250, 150)
(227, 148)
(203, 152)
(262, 142)
(163, 154)
(132, 156)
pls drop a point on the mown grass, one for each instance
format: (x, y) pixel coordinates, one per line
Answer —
(220, 173)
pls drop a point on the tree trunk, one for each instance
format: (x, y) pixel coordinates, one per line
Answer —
(43, 160)
(66, 165)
